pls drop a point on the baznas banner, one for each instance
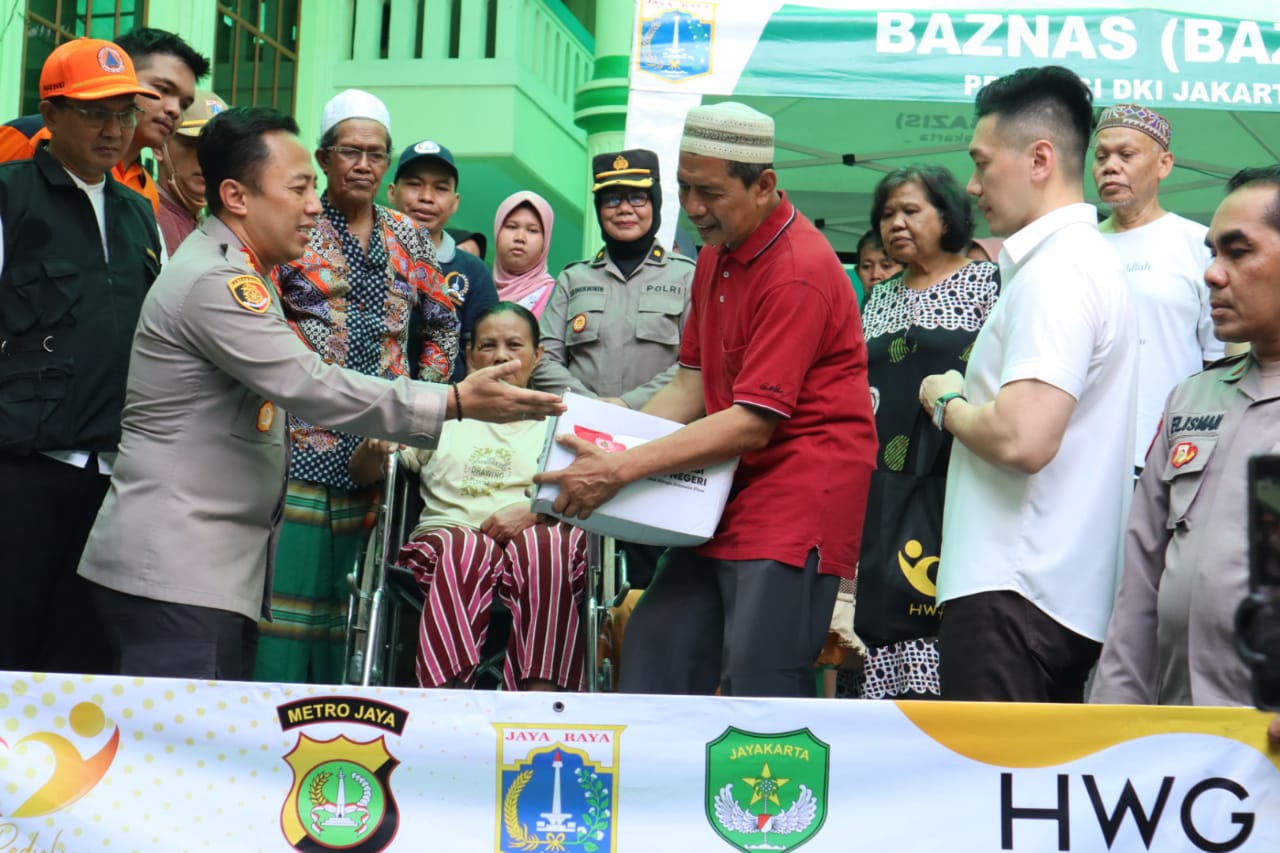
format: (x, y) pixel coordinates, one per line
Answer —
(858, 88)
(168, 766)
(841, 51)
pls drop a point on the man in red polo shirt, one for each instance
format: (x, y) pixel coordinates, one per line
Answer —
(773, 368)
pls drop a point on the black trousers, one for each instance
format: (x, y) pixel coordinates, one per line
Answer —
(749, 627)
(999, 647)
(167, 640)
(47, 621)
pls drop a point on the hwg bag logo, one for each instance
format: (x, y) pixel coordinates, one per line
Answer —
(557, 788)
(767, 791)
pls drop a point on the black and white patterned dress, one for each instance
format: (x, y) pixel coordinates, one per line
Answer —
(912, 334)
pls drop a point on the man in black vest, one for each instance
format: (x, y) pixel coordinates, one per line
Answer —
(77, 254)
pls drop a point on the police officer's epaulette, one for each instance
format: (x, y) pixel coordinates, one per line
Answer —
(676, 256)
(582, 261)
(1226, 361)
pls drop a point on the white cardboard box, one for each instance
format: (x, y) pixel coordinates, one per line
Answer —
(671, 509)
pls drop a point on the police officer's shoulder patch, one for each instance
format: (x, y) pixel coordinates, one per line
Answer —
(249, 293)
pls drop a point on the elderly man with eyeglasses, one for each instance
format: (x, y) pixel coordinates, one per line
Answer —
(366, 270)
(78, 252)
(612, 326)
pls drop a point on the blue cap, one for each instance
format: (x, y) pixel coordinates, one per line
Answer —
(427, 150)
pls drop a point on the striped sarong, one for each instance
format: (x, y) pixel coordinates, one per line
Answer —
(539, 576)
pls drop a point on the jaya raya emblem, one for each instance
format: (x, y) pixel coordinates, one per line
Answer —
(557, 788)
(767, 791)
(341, 796)
(675, 43)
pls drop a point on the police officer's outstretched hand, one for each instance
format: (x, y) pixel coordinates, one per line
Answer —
(486, 395)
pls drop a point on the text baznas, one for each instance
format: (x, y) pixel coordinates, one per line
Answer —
(1066, 37)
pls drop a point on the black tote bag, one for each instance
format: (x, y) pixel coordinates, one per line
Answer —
(901, 542)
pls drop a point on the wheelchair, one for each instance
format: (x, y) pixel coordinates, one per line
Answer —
(382, 593)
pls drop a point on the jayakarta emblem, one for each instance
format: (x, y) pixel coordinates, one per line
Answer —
(557, 788)
(767, 791)
(341, 794)
(675, 38)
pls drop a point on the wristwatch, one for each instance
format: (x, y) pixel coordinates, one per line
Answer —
(940, 407)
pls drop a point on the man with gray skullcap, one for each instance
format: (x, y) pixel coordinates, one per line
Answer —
(1164, 256)
(772, 369)
(366, 270)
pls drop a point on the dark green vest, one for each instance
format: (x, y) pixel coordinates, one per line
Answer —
(66, 315)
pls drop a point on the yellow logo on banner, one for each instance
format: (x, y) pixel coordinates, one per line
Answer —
(73, 775)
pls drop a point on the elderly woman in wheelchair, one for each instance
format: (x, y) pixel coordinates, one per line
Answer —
(476, 538)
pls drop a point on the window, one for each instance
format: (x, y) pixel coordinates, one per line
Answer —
(51, 22)
(255, 53)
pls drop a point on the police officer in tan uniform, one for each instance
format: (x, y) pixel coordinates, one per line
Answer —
(181, 551)
(612, 326)
(1171, 636)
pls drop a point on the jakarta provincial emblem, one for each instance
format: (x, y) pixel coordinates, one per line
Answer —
(767, 791)
(557, 788)
(675, 39)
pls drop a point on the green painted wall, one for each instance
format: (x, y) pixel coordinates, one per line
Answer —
(495, 83)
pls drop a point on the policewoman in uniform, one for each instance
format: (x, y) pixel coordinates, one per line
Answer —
(181, 551)
(612, 327)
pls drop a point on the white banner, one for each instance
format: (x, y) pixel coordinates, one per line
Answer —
(164, 765)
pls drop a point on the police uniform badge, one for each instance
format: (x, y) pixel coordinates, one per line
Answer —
(1182, 453)
(249, 292)
(579, 323)
(266, 416)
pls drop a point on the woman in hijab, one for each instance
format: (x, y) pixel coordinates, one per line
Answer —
(522, 241)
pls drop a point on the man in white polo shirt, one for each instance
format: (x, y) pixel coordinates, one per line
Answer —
(1164, 257)
(1041, 472)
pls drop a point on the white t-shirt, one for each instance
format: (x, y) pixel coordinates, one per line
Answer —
(477, 469)
(1064, 318)
(97, 194)
(1165, 262)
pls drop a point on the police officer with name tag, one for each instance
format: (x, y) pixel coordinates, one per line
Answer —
(180, 556)
(1186, 552)
(612, 327)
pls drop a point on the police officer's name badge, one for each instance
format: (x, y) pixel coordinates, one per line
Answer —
(249, 293)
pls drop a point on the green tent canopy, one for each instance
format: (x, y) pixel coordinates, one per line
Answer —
(858, 89)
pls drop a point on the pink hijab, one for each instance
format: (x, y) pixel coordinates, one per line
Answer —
(511, 287)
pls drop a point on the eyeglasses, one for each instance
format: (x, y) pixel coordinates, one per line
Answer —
(355, 155)
(97, 118)
(635, 198)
